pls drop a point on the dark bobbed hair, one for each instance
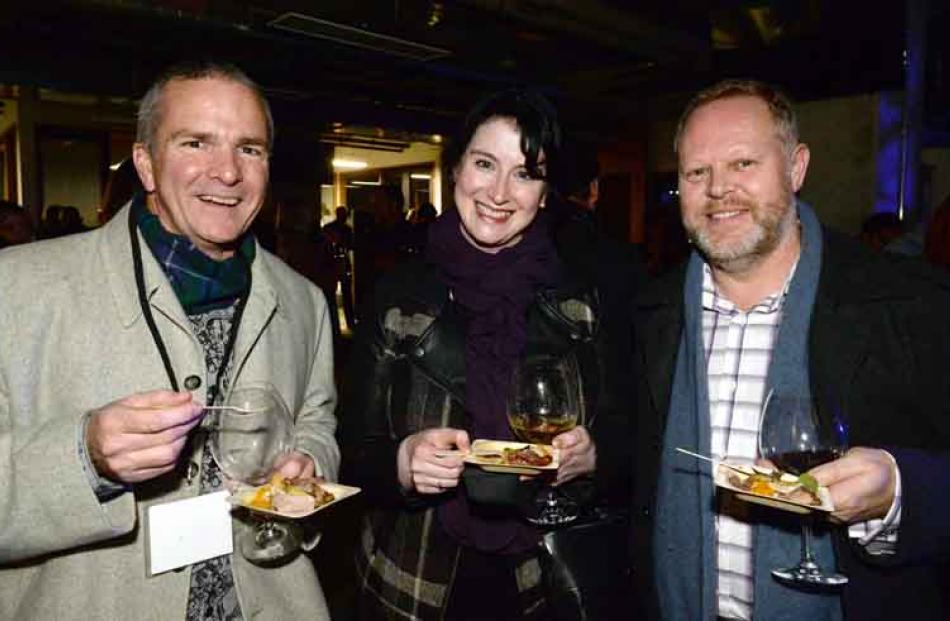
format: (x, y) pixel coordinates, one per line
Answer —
(536, 119)
(149, 113)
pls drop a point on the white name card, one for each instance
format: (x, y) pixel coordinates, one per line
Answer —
(187, 531)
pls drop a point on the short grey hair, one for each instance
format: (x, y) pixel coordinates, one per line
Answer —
(783, 115)
(149, 113)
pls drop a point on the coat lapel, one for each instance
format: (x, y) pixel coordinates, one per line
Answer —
(115, 251)
(262, 305)
(840, 335)
(658, 321)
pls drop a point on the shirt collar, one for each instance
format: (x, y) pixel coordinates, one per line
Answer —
(714, 301)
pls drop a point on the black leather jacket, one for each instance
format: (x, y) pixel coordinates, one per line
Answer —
(407, 372)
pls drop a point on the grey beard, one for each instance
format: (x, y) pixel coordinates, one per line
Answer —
(748, 252)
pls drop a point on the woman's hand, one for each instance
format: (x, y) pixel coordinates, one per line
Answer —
(578, 454)
(430, 461)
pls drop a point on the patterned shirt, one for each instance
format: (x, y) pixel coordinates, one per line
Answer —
(738, 347)
(212, 596)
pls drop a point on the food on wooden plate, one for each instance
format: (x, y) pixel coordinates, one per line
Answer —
(526, 456)
(774, 484)
(290, 496)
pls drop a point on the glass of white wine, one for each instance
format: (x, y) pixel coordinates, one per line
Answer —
(544, 401)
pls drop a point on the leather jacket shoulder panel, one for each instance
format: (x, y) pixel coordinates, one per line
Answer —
(420, 323)
(574, 313)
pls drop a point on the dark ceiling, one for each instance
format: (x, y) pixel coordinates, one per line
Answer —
(600, 60)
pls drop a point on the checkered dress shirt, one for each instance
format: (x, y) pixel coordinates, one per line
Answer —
(738, 347)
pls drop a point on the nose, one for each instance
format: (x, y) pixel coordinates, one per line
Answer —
(720, 182)
(225, 166)
(499, 190)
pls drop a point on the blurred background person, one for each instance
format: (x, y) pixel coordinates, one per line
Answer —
(417, 230)
(880, 229)
(72, 221)
(122, 185)
(937, 239)
(16, 226)
(52, 223)
(340, 236)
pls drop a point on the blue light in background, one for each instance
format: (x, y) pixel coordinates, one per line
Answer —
(888, 153)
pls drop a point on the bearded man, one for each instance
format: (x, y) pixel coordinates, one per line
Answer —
(771, 301)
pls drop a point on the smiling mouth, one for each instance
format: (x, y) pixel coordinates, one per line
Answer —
(225, 201)
(725, 215)
(492, 213)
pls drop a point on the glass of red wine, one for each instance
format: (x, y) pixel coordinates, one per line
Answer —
(795, 440)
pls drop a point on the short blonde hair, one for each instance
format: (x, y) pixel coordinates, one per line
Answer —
(786, 123)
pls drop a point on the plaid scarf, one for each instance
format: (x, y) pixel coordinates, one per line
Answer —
(200, 282)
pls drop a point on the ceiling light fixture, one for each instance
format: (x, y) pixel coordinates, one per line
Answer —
(310, 26)
(342, 164)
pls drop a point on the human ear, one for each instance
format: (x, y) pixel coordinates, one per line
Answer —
(800, 157)
(143, 165)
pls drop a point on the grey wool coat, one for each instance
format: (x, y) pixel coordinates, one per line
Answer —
(72, 339)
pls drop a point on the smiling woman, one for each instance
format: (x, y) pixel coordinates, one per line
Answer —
(495, 195)
(500, 176)
(491, 290)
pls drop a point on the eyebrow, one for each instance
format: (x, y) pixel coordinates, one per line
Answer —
(540, 162)
(257, 142)
(483, 153)
(206, 136)
(182, 133)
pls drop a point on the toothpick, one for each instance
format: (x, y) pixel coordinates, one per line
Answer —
(696, 455)
(235, 408)
(710, 460)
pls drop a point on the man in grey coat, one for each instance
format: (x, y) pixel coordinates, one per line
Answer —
(111, 342)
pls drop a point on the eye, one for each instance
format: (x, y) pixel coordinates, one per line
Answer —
(252, 150)
(696, 174)
(744, 164)
(522, 174)
(483, 163)
(192, 143)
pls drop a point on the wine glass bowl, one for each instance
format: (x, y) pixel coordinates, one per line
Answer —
(251, 433)
(543, 402)
(792, 437)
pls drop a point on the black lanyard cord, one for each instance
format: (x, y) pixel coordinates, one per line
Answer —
(143, 301)
(150, 319)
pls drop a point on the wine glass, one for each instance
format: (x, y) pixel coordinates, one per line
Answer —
(250, 434)
(544, 401)
(792, 437)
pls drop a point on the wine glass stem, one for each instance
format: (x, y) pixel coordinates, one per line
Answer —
(806, 542)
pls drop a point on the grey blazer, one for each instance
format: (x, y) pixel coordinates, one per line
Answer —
(72, 338)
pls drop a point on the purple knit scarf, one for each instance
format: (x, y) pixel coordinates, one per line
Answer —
(494, 292)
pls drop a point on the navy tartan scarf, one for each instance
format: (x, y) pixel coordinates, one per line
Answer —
(200, 283)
